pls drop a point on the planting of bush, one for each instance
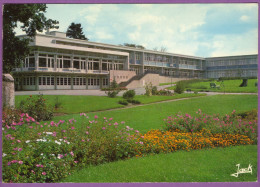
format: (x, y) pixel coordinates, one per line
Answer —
(10, 116)
(123, 102)
(231, 124)
(133, 101)
(164, 92)
(34, 152)
(129, 94)
(37, 108)
(112, 94)
(179, 87)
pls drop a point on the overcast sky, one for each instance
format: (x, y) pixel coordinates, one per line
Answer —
(204, 30)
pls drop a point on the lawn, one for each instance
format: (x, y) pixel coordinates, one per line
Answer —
(209, 165)
(230, 86)
(147, 117)
(76, 104)
(168, 83)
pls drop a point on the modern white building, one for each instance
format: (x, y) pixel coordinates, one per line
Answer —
(57, 62)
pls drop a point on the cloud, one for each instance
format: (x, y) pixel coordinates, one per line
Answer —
(192, 29)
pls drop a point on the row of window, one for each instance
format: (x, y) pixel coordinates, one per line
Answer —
(232, 62)
(61, 80)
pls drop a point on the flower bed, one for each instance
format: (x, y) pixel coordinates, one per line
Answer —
(34, 152)
(231, 124)
(48, 152)
(156, 141)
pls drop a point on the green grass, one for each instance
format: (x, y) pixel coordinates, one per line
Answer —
(209, 165)
(168, 83)
(231, 86)
(147, 117)
(77, 104)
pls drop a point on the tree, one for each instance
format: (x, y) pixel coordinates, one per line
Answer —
(75, 31)
(134, 45)
(163, 49)
(32, 18)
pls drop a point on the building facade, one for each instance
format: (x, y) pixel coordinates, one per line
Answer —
(57, 62)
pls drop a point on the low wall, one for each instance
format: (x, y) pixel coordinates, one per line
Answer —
(121, 75)
(148, 78)
(8, 90)
(165, 79)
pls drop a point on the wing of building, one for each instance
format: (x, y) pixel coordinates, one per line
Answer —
(57, 62)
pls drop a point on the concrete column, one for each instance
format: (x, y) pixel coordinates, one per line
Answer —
(55, 62)
(86, 64)
(142, 62)
(134, 58)
(8, 91)
(86, 82)
(36, 56)
(71, 61)
(36, 82)
(55, 82)
(126, 63)
(100, 64)
(101, 82)
(72, 82)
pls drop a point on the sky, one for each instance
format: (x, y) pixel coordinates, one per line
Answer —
(204, 30)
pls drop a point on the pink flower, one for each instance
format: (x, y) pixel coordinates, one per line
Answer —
(141, 143)
(103, 128)
(110, 119)
(31, 127)
(15, 149)
(142, 136)
(20, 162)
(105, 118)
(122, 122)
(72, 128)
(87, 132)
(63, 131)
(20, 149)
(96, 117)
(72, 154)
(19, 141)
(41, 126)
(76, 162)
(83, 140)
(115, 123)
(137, 131)
(43, 173)
(39, 133)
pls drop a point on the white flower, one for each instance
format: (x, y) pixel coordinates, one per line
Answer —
(48, 133)
(41, 154)
(61, 140)
(57, 142)
(68, 142)
(41, 140)
(4, 154)
(3, 129)
(27, 141)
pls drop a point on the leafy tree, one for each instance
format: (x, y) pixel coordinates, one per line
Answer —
(134, 45)
(75, 31)
(32, 19)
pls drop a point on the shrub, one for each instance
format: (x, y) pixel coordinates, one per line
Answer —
(148, 89)
(34, 152)
(37, 108)
(154, 90)
(123, 102)
(196, 92)
(114, 84)
(133, 101)
(112, 94)
(129, 94)
(10, 116)
(230, 124)
(165, 92)
(179, 87)
(111, 89)
(249, 115)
